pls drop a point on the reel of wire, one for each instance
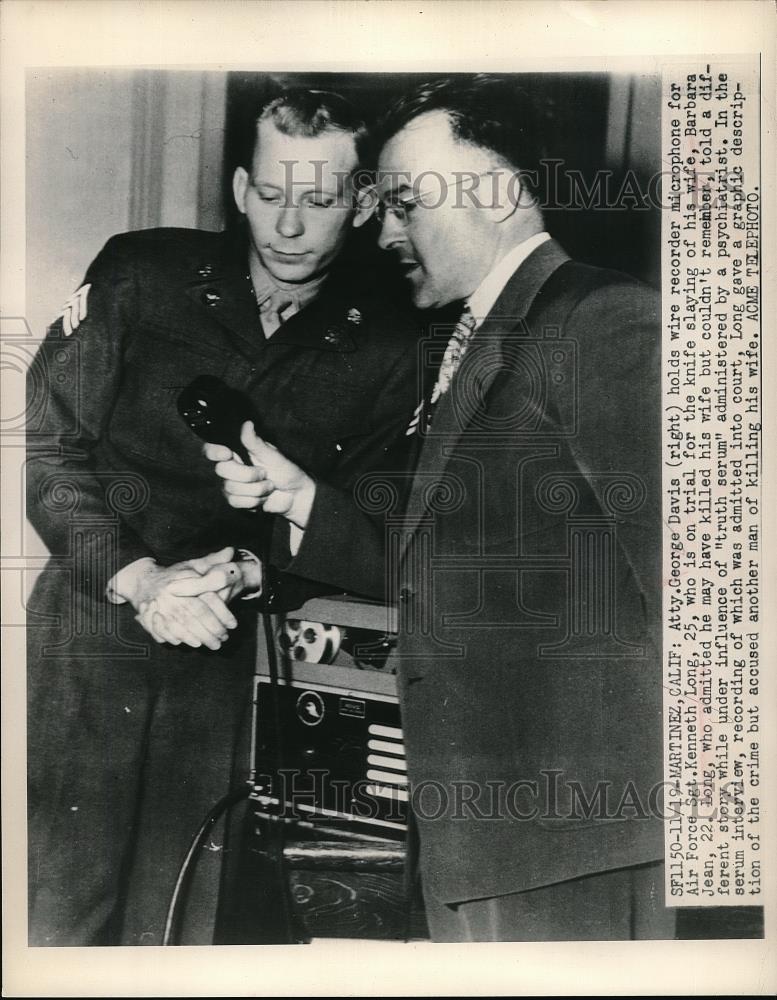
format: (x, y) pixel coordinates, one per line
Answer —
(309, 642)
(369, 649)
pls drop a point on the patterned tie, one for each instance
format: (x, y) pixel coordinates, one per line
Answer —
(454, 353)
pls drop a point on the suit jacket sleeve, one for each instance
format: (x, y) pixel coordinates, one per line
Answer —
(344, 544)
(71, 387)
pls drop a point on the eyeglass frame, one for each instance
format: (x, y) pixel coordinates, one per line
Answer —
(399, 209)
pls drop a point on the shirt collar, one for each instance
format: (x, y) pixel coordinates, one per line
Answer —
(267, 292)
(490, 288)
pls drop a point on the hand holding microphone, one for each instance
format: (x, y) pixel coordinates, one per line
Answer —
(272, 481)
(255, 473)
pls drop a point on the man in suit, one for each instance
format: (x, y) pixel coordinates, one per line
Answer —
(138, 691)
(527, 566)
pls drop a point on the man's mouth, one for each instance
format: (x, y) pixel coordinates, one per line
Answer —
(285, 255)
(407, 267)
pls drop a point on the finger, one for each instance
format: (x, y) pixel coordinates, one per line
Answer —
(216, 602)
(218, 577)
(248, 436)
(153, 623)
(156, 636)
(184, 635)
(203, 563)
(160, 628)
(245, 503)
(143, 621)
(278, 503)
(167, 620)
(217, 452)
(213, 558)
(234, 488)
(259, 449)
(199, 620)
(233, 471)
(185, 629)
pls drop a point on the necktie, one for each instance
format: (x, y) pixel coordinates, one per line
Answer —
(272, 310)
(452, 358)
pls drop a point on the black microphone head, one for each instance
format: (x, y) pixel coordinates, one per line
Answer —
(215, 412)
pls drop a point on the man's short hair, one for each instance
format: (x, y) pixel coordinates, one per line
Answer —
(492, 112)
(309, 113)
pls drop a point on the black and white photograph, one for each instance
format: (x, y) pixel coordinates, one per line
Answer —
(384, 504)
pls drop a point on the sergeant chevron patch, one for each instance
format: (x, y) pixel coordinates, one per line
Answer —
(74, 310)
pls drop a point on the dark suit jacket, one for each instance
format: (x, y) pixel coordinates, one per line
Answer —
(528, 572)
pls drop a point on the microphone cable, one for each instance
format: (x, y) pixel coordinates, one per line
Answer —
(224, 803)
(236, 795)
(276, 829)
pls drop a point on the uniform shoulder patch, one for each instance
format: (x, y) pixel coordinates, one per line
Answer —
(74, 311)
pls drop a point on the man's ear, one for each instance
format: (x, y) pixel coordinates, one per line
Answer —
(239, 188)
(366, 201)
(507, 193)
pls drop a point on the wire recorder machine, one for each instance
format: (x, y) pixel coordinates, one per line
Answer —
(326, 844)
(329, 795)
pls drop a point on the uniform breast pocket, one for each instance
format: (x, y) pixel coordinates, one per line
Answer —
(145, 419)
(334, 423)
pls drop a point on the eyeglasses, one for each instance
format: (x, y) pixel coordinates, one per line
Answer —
(400, 209)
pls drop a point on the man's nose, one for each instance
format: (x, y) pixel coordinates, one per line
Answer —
(290, 221)
(391, 232)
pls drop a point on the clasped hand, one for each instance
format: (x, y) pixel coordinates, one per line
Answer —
(187, 602)
(272, 481)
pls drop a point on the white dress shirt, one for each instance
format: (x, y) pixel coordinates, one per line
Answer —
(490, 288)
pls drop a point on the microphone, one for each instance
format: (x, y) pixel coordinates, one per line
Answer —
(216, 413)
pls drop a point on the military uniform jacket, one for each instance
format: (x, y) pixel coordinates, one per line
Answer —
(108, 448)
(527, 572)
(130, 743)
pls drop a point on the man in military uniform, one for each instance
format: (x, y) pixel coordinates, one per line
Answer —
(137, 693)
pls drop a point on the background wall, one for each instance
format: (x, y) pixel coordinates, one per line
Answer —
(112, 150)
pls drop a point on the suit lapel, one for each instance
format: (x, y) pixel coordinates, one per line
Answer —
(482, 362)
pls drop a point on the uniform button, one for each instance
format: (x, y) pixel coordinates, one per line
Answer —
(406, 594)
(205, 271)
(210, 298)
